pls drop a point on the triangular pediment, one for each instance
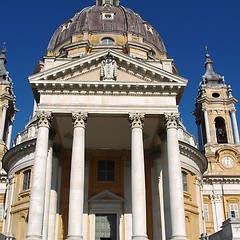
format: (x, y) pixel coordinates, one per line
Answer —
(87, 76)
(106, 196)
(88, 69)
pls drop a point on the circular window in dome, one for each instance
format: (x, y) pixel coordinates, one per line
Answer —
(107, 41)
(216, 95)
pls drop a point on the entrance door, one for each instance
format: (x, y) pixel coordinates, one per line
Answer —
(106, 227)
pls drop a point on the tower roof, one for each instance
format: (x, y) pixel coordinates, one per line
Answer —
(210, 77)
(3, 60)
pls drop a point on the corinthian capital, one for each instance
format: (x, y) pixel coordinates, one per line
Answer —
(79, 119)
(44, 119)
(171, 120)
(136, 120)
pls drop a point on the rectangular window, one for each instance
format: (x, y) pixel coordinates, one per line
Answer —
(106, 170)
(1, 211)
(205, 212)
(185, 183)
(26, 179)
(233, 213)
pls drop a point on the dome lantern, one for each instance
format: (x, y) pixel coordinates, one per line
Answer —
(103, 2)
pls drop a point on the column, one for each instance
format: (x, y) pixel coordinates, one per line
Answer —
(235, 126)
(76, 194)
(176, 201)
(3, 121)
(59, 183)
(157, 196)
(48, 184)
(10, 191)
(36, 209)
(200, 140)
(207, 125)
(53, 197)
(217, 208)
(9, 135)
(127, 198)
(139, 229)
(199, 183)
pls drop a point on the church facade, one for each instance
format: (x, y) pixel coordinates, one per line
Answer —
(105, 155)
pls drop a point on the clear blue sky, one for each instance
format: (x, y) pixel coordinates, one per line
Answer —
(185, 27)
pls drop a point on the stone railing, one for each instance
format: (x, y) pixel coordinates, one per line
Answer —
(186, 137)
(26, 135)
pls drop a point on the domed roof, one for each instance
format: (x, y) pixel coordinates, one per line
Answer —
(107, 18)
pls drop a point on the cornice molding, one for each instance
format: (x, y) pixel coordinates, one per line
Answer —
(194, 154)
(228, 179)
(94, 60)
(16, 152)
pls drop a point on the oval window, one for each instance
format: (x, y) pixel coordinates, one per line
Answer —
(215, 95)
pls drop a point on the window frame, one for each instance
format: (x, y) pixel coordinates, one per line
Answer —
(26, 180)
(185, 181)
(106, 171)
(107, 41)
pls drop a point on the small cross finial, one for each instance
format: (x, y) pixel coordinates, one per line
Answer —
(206, 47)
(4, 49)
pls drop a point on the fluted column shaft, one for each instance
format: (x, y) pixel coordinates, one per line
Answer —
(139, 228)
(36, 210)
(76, 194)
(176, 201)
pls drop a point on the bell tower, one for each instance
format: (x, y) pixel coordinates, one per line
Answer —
(216, 121)
(7, 106)
(218, 138)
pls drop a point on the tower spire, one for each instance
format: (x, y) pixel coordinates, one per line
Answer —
(210, 76)
(3, 60)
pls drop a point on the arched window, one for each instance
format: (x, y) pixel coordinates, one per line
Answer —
(221, 133)
(107, 41)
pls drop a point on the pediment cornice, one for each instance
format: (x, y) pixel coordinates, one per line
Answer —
(139, 68)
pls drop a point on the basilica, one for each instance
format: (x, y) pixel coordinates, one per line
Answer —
(105, 155)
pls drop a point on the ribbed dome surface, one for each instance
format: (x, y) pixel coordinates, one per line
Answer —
(90, 19)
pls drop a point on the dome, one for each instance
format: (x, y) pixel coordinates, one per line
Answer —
(107, 19)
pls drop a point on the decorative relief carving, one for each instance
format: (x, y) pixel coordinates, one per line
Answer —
(171, 120)
(199, 180)
(44, 119)
(216, 198)
(108, 68)
(136, 120)
(79, 119)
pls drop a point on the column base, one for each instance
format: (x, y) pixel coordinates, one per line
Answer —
(34, 237)
(178, 238)
(139, 237)
(74, 238)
